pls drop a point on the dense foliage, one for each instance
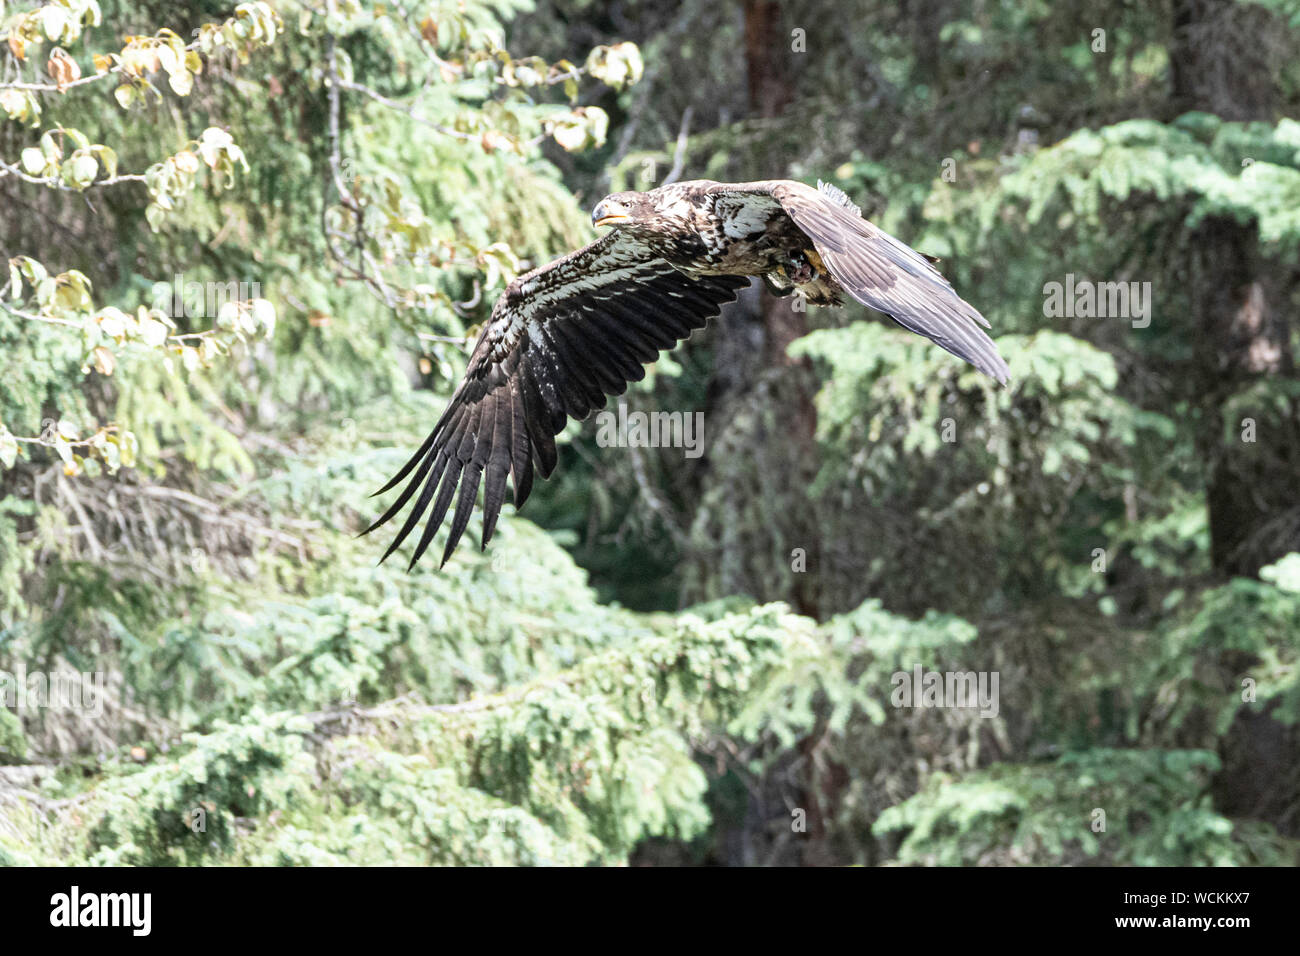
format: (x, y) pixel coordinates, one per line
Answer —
(247, 245)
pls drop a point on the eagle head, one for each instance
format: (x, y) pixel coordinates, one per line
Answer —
(623, 209)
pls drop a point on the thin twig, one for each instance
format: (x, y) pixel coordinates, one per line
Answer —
(679, 154)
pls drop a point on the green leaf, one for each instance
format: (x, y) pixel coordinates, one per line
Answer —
(83, 169)
(33, 160)
(8, 448)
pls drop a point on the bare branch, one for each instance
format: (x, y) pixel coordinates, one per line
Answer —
(52, 182)
(679, 154)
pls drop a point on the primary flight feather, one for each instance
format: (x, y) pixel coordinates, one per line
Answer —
(563, 337)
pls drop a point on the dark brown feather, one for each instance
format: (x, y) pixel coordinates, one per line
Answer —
(561, 339)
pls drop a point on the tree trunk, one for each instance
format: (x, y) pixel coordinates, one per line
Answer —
(1219, 64)
(754, 512)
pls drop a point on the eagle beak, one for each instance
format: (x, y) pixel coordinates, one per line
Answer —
(609, 213)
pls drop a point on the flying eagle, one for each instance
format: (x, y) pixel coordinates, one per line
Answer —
(563, 337)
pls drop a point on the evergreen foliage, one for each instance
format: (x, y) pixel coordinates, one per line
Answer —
(248, 244)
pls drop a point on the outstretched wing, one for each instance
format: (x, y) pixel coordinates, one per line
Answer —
(560, 339)
(884, 273)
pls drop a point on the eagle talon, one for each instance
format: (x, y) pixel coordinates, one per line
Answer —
(799, 270)
(778, 290)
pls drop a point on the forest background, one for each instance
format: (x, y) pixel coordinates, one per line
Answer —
(246, 245)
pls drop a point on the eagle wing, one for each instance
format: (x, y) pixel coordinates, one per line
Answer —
(880, 271)
(560, 339)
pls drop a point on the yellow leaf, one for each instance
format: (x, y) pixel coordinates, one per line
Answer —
(105, 361)
(62, 68)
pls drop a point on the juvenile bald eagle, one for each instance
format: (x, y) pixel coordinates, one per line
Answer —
(565, 336)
